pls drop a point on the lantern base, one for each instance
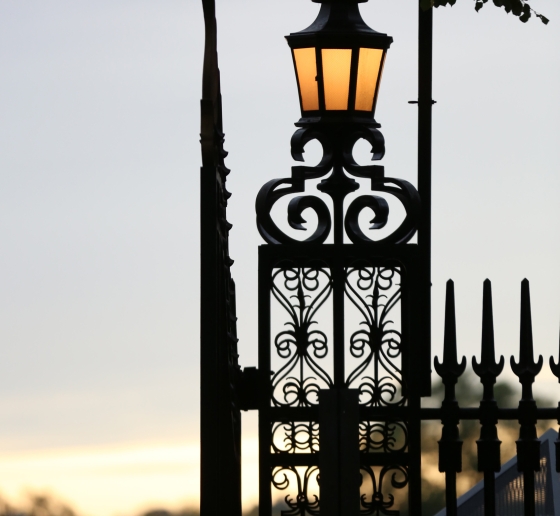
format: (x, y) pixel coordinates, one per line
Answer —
(342, 120)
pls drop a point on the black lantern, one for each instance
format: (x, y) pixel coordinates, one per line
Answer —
(339, 62)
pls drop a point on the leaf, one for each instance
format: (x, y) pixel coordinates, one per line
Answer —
(516, 7)
(519, 8)
(526, 13)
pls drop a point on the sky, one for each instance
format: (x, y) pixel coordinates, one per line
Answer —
(99, 165)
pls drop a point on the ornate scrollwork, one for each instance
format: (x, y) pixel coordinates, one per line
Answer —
(301, 292)
(404, 192)
(377, 501)
(337, 142)
(271, 192)
(383, 436)
(295, 437)
(376, 293)
(304, 502)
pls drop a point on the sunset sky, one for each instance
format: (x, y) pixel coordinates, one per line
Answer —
(99, 164)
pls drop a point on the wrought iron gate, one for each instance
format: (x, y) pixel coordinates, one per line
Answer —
(339, 345)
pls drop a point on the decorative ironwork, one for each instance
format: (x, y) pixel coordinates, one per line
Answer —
(380, 501)
(295, 437)
(383, 436)
(304, 502)
(301, 292)
(376, 293)
(337, 141)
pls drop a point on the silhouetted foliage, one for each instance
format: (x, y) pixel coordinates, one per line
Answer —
(39, 505)
(519, 8)
(276, 511)
(164, 512)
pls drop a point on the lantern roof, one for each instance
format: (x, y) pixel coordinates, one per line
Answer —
(339, 23)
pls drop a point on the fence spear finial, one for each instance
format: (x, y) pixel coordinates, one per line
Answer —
(526, 369)
(488, 369)
(449, 369)
(555, 368)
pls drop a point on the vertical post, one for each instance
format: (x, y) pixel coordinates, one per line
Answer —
(349, 452)
(265, 424)
(421, 360)
(425, 37)
(209, 388)
(339, 284)
(450, 370)
(220, 418)
(555, 368)
(339, 460)
(209, 395)
(329, 436)
(528, 445)
(488, 370)
(412, 293)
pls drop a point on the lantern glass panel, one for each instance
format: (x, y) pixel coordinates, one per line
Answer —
(369, 73)
(306, 67)
(336, 77)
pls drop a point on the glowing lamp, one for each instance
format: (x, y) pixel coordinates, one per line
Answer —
(338, 62)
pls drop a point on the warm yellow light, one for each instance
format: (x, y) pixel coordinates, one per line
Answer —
(369, 68)
(306, 67)
(336, 77)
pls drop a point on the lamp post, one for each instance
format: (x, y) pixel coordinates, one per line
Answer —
(343, 351)
(338, 62)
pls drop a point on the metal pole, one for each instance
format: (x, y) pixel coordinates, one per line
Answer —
(425, 25)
